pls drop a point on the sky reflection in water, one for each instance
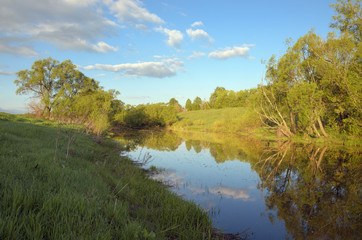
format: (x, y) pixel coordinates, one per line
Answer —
(228, 190)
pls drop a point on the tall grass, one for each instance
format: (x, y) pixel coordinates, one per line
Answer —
(96, 194)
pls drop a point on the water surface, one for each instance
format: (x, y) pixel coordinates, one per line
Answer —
(264, 190)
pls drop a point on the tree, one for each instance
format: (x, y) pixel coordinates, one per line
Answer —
(316, 83)
(196, 105)
(41, 81)
(188, 105)
(93, 109)
(54, 83)
(174, 103)
(348, 18)
(215, 96)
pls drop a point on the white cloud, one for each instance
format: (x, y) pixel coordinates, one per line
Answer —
(196, 55)
(197, 24)
(2, 72)
(166, 68)
(160, 56)
(131, 11)
(67, 24)
(103, 47)
(81, 2)
(137, 97)
(175, 37)
(100, 75)
(199, 34)
(141, 27)
(228, 52)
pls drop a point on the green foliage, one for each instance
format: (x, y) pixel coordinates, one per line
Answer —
(196, 104)
(149, 115)
(188, 105)
(68, 95)
(94, 110)
(348, 18)
(42, 81)
(222, 98)
(316, 84)
(174, 103)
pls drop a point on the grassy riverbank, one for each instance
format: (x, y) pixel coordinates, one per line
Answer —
(94, 194)
(217, 120)
(241, 121)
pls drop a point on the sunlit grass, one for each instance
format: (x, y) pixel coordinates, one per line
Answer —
(95, 194)
(209, 120)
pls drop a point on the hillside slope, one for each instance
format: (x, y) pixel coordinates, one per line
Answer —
(94, 194)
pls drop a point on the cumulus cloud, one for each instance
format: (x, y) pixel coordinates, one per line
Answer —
(67, 24)
(196, 55)
(165, 68)
(132, 11)
(175, 37)
(228, 52)
(199, 34)
(197, 24)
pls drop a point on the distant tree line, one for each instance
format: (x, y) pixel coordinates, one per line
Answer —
(221, 98)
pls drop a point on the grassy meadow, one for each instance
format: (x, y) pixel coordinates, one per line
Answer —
(93, 194)
(236, 119)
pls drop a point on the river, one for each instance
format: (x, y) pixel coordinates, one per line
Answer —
(259, 189)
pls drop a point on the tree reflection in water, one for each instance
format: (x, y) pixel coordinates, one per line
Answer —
(315, 190)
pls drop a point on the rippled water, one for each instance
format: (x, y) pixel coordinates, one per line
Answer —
(260, 189)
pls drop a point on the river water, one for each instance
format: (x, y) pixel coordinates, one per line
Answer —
(259, 189)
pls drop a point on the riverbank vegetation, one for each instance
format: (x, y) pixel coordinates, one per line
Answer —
(94, 193)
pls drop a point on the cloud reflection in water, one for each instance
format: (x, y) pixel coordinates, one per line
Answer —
(171, 178)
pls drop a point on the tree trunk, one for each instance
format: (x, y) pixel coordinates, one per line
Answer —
(321, 127)
(294, 125)
(315, 130)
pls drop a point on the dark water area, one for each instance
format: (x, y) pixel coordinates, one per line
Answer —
(263, 190)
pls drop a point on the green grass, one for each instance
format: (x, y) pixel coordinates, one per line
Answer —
(207, 120)
(95, 194)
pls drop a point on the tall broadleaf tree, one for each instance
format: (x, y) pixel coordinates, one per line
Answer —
(41, 81)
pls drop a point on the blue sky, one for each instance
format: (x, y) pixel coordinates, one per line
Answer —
(151, 51)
